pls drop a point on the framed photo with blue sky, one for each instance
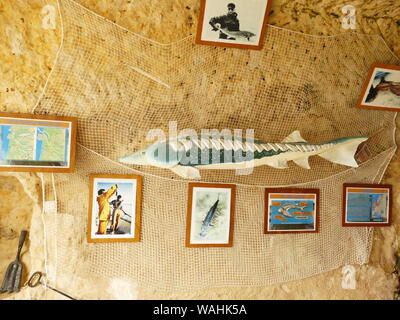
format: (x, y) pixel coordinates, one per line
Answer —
(114, 208)
(367, 205)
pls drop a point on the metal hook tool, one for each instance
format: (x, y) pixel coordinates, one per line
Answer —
(36, 279)
(396, 272)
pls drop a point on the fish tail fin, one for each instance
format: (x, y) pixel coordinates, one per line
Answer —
(344, 153)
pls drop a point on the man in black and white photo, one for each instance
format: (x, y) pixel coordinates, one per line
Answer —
(229, 22)
(233, 23)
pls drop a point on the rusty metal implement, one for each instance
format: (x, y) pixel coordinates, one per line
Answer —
(12, 278)
(36, 279)
(396, 271)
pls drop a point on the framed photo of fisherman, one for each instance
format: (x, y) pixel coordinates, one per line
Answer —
(210, 215)
(382, 88)
(114, 208)
(291, 211)
(233, 23)
(367, 205)
(37, 143)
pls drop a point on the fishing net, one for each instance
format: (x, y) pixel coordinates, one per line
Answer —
(121, 85)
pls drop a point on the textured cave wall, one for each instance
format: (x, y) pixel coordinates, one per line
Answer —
(27, 52)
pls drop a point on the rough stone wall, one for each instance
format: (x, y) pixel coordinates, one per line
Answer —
(27, 52)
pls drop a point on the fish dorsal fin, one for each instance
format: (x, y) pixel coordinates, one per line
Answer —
(303, 162)
(295, 136)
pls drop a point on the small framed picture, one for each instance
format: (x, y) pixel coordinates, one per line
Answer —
(366, 205)
(291, 210)
(382, 88)
(114, 208)
(210, 215)
(233, 23)
(37, 143)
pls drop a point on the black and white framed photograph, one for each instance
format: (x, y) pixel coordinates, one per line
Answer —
(233, 23)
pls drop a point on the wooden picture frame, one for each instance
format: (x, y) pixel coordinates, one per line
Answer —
(130, 187)
(387, 86)
(306, 201)
(198, 226)
(362, 203)
(26, 139)
(205, 37)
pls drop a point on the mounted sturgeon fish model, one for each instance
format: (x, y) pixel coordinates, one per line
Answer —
(186, 155)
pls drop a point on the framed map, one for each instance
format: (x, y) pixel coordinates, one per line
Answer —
(37, 143)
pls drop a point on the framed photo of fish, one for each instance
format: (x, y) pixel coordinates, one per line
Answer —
(114, 208)
(382, 88)
(37, 143)
(367, 205)
(291, 211)
(233, 23)
(210, 215)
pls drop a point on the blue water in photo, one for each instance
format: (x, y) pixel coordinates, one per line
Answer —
(5, 131)
(304, 219)
(39, 143)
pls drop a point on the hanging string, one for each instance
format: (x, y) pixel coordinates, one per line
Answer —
(56, 224)
(44, 225)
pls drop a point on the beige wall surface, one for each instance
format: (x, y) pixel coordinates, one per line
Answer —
(29, 40)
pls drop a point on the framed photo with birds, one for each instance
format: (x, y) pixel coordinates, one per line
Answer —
(382, 88)
(291, 210)
(233, 23)
(210, 215)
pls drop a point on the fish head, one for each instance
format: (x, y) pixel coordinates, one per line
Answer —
(138, 158)
(159, 154)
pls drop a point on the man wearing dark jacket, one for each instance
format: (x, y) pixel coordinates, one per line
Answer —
(228, 21)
